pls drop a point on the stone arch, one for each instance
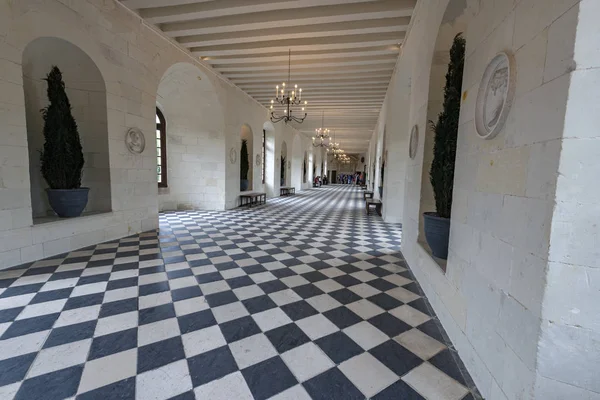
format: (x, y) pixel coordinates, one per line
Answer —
(270, 158)
(196, 151)
(247, 134)
(454, 21)
(296, 171)
(86, 89)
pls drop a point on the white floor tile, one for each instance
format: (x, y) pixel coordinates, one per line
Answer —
(293, 281)
(270, 319)
(186, 281)
(230, 387)
(20, 345)
(364, 276)
(294, 393)
(397, 279)
(262, 277)
(368, 374)
(323, 302)
(328, 285)
(365, 309)
(191, 305)
(410, 315)
(332, 272)
(366, 335)
(153, 300)
(164, 382)
(252, 350)
(284, 297)
(59, 284)
(420, 344)
(229, 312)
(248, 292)
(16, 301)
(214, 287)
(91, 288)
(405, 296)
(116, 323)
(432, 383)
(364, 290)
(106, 370)
(60, 357)
(157, 331)
(203, 340)
(77, 315)
(307, 361)
(317, 326)
(120, 294)
(45, 308)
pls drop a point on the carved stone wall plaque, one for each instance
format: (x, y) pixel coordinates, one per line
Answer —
(413, 144)
(135, 140)
(495, 96)
(258, 160)
(232, 155)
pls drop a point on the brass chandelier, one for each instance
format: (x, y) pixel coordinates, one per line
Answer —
(289, 98)
(322, 138)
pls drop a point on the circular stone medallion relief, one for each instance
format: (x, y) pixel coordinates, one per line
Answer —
(257, 162)
(414, 142)
(495, 95)
(135, 141)
(232, 155)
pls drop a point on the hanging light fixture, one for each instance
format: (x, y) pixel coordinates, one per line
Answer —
(333, 147)
(322, 138)
(288, 98)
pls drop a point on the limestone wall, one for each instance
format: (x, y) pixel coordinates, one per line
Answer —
(504, 218)
(132, 58)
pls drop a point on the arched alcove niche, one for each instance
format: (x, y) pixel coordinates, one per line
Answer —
(247, 134)
(455, 21)
(270, 159)
(196, 153)
(305, 168)
(86, 91)
(296, 171)
(283, 169)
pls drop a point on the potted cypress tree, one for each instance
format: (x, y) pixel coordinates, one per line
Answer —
(244, 166)
(441, 175)
(282, 171)
(381, 180)
(62, 156)
(304, 170)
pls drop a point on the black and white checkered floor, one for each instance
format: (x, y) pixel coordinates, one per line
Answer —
(304, 298)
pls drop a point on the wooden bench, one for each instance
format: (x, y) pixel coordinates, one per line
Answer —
(368, 194)
(252, 198)
(287, 191)
(376, 204)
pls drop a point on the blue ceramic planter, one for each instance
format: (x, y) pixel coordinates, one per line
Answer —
(68, 203)
(437, 233)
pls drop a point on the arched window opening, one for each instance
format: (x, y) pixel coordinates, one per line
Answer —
(161, 149)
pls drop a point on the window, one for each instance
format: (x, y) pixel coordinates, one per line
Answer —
(264, 156)
(161, 149)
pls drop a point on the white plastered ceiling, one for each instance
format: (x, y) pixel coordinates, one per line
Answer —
(343, 51)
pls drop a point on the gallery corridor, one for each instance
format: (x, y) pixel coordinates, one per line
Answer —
(303, 298)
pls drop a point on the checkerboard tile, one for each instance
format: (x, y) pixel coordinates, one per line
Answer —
(286, 300)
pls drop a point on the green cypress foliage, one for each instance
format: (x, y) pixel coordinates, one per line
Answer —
(304, 170)
(441, 174)
(62, 156)
(244, 163)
